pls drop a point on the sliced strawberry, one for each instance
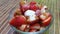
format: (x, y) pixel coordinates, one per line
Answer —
(32, 30)
(18, 20)
(35, 26)
(44, 16)
(38, 12)
(22, 27)
(47, 21)
(33, 7)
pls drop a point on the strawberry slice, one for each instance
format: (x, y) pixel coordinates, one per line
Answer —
(44, 16)
(33, 30)
(38, 12)
(22, 27)
(35, 26)
(18, 20)
(47, 21)
(33, 7)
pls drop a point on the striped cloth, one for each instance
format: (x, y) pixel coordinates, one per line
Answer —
(7, 6)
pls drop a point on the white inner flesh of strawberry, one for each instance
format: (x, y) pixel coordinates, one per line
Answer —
(42, 16)
(47, 20)
(31, 15)
(23, 27)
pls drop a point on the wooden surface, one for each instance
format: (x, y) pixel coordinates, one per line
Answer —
(7, 6)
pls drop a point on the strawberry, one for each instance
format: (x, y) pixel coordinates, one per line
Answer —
(38, 12)
(32, 30)
(47, 21)
(18, 20)
(26, 30)
(32, 3)
(44, 16)
(33, 7)
(22, 27)
(35, 26)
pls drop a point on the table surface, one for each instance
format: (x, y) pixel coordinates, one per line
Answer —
(7, 6)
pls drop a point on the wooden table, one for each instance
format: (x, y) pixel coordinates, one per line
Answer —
(7, 6)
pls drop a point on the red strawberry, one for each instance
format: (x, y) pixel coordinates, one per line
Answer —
(44, 16)
(18, 20)
(35, 26)
(33, 7)
(32, 30)
(32, 3)
(47, 21)
(38, 12)
(22, 27)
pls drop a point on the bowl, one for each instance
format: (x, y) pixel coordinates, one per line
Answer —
(39, 32)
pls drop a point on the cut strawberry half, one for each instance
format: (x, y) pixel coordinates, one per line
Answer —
(33, 7)
(38, 12)
(47, 21)
(32, 30)
(22, 27)
(44, 16)
(35, 26)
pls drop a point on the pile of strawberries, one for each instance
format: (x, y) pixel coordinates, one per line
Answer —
(31, 17)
